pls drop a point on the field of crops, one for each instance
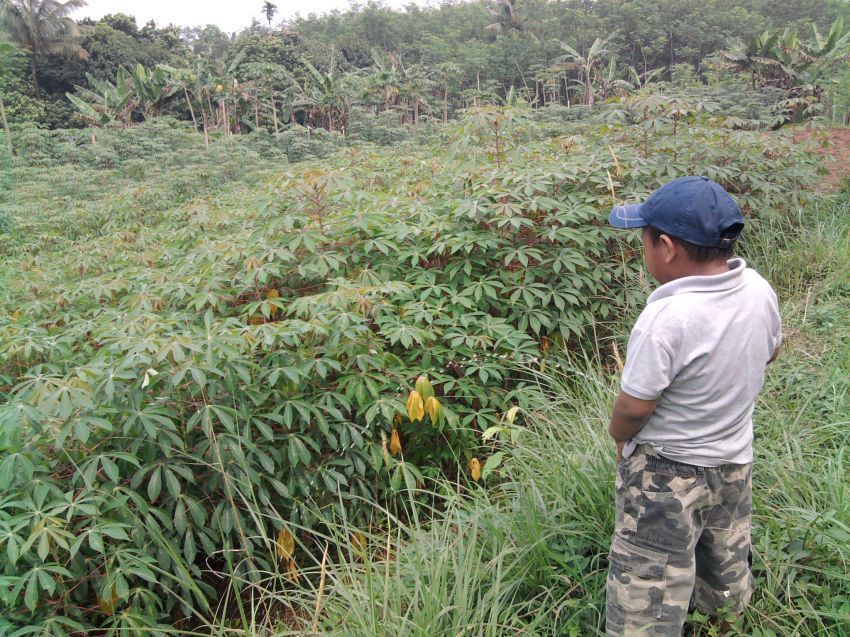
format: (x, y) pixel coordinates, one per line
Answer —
(319, 385)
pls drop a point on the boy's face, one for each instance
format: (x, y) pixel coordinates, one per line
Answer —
(656, 257)
(667, 261)
(660, 258)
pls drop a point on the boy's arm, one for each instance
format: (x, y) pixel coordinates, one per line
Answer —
(628, 417)
(775, 354)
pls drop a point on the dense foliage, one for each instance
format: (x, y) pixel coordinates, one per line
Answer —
(421, 63)
(267, 292)
(189, 341)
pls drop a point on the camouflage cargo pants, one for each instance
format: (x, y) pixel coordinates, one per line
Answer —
(682, 537)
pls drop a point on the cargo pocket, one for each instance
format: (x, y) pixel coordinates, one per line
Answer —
(622, 474)
(636, 579)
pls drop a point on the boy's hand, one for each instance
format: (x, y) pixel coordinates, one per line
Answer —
(774, 355)
(629, 416)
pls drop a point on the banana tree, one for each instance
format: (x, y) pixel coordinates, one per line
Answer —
(806, 63)
(153, 89)
(801, 68)
(326, 96)
(586, 65)
(105, 102)
(811, 66)
(610, 84)
(385, 78)
(548, 80)
(195, 82)
(265, 78)
(223, 88)
(182, 80)
(416, 88)
(755, 57)
(448, 74)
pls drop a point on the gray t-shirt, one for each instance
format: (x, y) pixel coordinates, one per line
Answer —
(702, 344)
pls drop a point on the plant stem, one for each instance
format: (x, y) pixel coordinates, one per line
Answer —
(191, 110)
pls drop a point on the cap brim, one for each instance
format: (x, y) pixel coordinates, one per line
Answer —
(627, 216)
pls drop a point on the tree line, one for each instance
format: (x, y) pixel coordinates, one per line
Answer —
(417, 63)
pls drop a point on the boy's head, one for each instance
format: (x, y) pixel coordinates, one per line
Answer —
(689, 228)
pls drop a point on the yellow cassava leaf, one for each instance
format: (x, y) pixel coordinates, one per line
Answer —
(434, 409)
(292, 573)
(415, 407)
(274, 309)
(475, 469)
(285, 545)
(511, 415)
(107, 606)
(395, 443)
(424, 387)
(358, 542)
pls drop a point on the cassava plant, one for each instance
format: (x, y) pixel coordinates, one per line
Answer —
(179, 357)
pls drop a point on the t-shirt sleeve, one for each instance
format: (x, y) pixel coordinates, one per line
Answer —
(649, 364)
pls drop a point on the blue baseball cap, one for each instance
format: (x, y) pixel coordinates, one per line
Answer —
(694, 209)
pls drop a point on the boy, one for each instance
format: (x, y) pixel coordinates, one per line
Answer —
(683, 418)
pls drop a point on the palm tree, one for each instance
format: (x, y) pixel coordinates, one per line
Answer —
(269, 10)
(43, 27)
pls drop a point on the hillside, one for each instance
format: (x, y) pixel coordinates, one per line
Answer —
(209, 357)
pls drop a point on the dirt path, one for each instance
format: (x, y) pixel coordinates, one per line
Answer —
(837, 153)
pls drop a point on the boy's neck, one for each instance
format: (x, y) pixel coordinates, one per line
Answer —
(688, 267)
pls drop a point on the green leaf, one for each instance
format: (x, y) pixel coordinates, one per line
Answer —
(493, 463)
(96, 540)
(172, 483)
(115, 531)
(31, 594)
(155, 484)
(43, 545)
(110, 468)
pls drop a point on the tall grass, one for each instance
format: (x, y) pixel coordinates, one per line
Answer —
(524, 553)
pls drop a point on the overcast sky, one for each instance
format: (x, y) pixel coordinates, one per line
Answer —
(229, 15)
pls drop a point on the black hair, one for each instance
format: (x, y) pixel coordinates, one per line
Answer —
(698, 253)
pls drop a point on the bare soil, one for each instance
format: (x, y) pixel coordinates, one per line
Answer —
(836, 153)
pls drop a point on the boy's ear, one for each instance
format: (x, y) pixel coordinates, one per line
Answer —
(667, 248)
